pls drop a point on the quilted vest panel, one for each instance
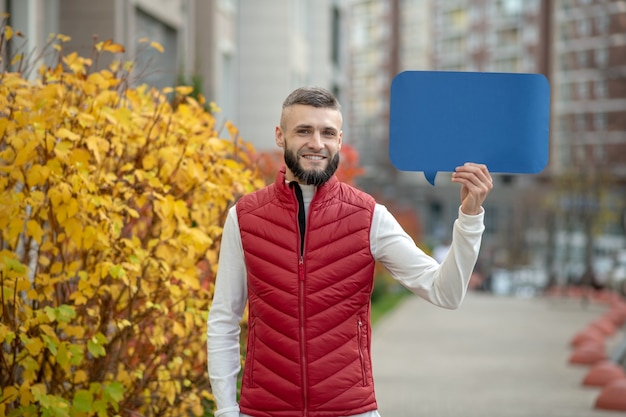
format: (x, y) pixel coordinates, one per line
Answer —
(308, 349)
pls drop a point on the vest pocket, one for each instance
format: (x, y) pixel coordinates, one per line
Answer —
(250, 353)
(362, 341)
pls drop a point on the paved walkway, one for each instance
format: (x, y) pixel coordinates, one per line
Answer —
(493, 357)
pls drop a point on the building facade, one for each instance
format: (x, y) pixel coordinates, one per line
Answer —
(283, 44)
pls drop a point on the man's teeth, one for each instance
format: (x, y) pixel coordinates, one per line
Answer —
(316, 158)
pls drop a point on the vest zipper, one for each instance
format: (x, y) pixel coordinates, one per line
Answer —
(302, 276)
(305, 400)
(252, 335)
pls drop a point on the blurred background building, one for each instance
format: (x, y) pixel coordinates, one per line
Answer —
(566, 223)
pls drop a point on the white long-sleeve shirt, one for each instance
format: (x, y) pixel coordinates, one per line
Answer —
(442, 284)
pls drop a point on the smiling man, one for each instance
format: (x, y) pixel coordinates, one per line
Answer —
(301, 254)
(311, 138)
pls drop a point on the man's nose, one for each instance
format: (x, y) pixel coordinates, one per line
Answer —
(315, 142)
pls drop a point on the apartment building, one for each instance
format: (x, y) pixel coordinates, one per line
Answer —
(588, 166)
(590, 85)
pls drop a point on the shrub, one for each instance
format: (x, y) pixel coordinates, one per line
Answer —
(112, 200)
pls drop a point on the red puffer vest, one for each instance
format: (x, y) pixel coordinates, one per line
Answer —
(308, 352)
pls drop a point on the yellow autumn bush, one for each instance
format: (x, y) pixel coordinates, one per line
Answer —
(112, 201)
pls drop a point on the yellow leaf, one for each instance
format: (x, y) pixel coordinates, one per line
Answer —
(148, 162)
(74, 230)
(75, 331)
(184, 90)
(63, 38)
(79, 156)
(64, 133)
(98, 80)
(56, 268)
(112, 47)
(80, 376)
(79, 298)
(8, 394)
(62, 149)
(34, 230)
(16, 226)
(178, 329)
(8, 33)
(89, 237)
(26, 396)
(157, 46)
(37, 175)
(72, 207)
(13, 81)
(46, 246)
(17, 58)
(43, 260)
(96, 144)
(86, 119)
(127, 167)
(232, 129)
(34, 345)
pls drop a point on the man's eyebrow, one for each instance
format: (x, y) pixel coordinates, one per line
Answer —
(310, 126)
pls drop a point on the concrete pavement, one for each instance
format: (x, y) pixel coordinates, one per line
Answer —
(494, 356)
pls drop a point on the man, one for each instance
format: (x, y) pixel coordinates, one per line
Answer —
(301, 252)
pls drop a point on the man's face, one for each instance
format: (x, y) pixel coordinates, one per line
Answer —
(311, 139)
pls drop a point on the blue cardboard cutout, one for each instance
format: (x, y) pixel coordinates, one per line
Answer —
(439, 120)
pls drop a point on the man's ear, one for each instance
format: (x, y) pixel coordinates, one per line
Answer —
(340, 139)
(280, 139)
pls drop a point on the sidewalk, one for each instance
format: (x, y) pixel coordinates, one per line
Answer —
(493, 357)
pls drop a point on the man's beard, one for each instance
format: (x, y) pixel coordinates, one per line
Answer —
(312, 176)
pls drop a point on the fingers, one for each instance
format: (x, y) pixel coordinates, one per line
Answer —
(472, 174)
(476, 183)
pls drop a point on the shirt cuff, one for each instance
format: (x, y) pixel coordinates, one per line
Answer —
(472, 221)
(228, 412)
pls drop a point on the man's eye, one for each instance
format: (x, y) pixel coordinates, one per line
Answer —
(329, 133)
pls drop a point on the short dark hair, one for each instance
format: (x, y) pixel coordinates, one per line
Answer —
(312, 96)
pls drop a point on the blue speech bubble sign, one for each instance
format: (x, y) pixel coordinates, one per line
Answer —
(439, 120)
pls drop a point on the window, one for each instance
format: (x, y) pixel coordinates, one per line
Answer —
(601, 57)
(158, 70)
(583, 28)
(599, 121)
(581, 58)
(580, 122)
(599, 89)
(583, 90)
(565, 92)
(602, 23)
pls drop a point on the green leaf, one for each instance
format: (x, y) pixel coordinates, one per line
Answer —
(117, 271)
(14, 265)
(63, 313)
(51, 344)
(95, 348)
(83, 400)
(63, 356)
(76, 352)
(114, 393)
(100, 407)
